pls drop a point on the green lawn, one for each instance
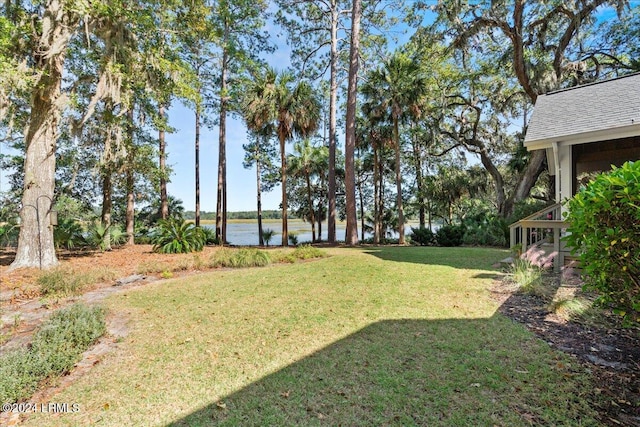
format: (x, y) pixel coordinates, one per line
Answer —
(389, 336)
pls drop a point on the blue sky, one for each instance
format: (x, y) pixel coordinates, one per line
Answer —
(241, 182)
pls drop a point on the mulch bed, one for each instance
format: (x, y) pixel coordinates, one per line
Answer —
(610, 354)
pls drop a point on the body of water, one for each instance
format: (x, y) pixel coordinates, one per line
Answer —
(246, 233)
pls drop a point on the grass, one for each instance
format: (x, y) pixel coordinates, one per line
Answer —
(63, 281)
(383, 336)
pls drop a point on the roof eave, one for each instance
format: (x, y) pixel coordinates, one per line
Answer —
(585, 137)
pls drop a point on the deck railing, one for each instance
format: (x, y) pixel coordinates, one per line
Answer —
(544, 226)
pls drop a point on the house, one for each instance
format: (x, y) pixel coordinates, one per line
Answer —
(584, 130)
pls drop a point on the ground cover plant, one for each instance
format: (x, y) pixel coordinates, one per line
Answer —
(377, 336)
(55, 348)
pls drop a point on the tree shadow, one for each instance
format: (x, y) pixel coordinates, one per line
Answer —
(409, 372)
(456, 257)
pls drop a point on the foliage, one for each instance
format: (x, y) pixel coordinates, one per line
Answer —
(605, 231)
(175, 236)
(450, 235)
(267, 235)
(68, 234)
(488, 231)
(9, 234)
(308, 252)
(97, 233)
(422, 236)
(56, 347)
(527, 276)
(210, 236)
(239, 258)
(63, 281)
(293, 239)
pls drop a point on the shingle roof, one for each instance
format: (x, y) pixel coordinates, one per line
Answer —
(602, 106)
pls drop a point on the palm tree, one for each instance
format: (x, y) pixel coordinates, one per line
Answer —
(393, 93)
(306, 162)
(275, 99)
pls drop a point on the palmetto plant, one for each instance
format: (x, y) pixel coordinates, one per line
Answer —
(68, 234)
(175, 236)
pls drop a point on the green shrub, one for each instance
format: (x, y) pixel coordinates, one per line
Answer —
(210, 236)
(56, 347)
(605, 230)
(450, 235)
(308, 252)
(68, 234)
(9, 234)
(490, 231)
(267, 235)
(98, 232)
(527, 276)
(174, 236)
(239, 258)
(293, 239)
(422, 236)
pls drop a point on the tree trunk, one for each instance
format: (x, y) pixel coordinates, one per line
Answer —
(351, 236)
(361, 200)
(396, 137)
(376, 191)
(164, 200)
(526, 182)
(417, 158)
(36, 247)
(197, 166)
(107, 204)
(222, 155)
(259, 199)
(333, 102)
(310, 202)
(130, 183)
(283, 169)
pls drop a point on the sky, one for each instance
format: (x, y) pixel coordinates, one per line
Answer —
(241, 182)
(241, 186)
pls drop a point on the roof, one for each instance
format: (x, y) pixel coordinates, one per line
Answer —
(604, 110)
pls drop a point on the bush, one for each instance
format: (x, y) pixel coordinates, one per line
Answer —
(56, 347)
(210, 236)
(605, 230)
(527, 276)
(491, 231)
(98, 231)
(175, 236)
(239, 258)
(267, 235)
(68, 234)
(422, 236)
(450, 235)
(308, 252)
(9, 234)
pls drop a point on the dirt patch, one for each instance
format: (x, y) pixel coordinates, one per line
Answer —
(610, 353)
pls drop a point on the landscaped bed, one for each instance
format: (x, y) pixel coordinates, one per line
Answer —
(374, 336)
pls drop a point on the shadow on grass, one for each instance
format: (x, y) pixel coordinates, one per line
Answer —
(456, 257)
(411, 372)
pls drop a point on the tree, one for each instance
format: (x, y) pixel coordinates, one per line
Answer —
(351, 236)
(238, 25)
(292, 109)
(260, 151)
(544, 40)
(307, 162)
(393, 92)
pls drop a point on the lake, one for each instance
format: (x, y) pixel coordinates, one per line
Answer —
(246, 233)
